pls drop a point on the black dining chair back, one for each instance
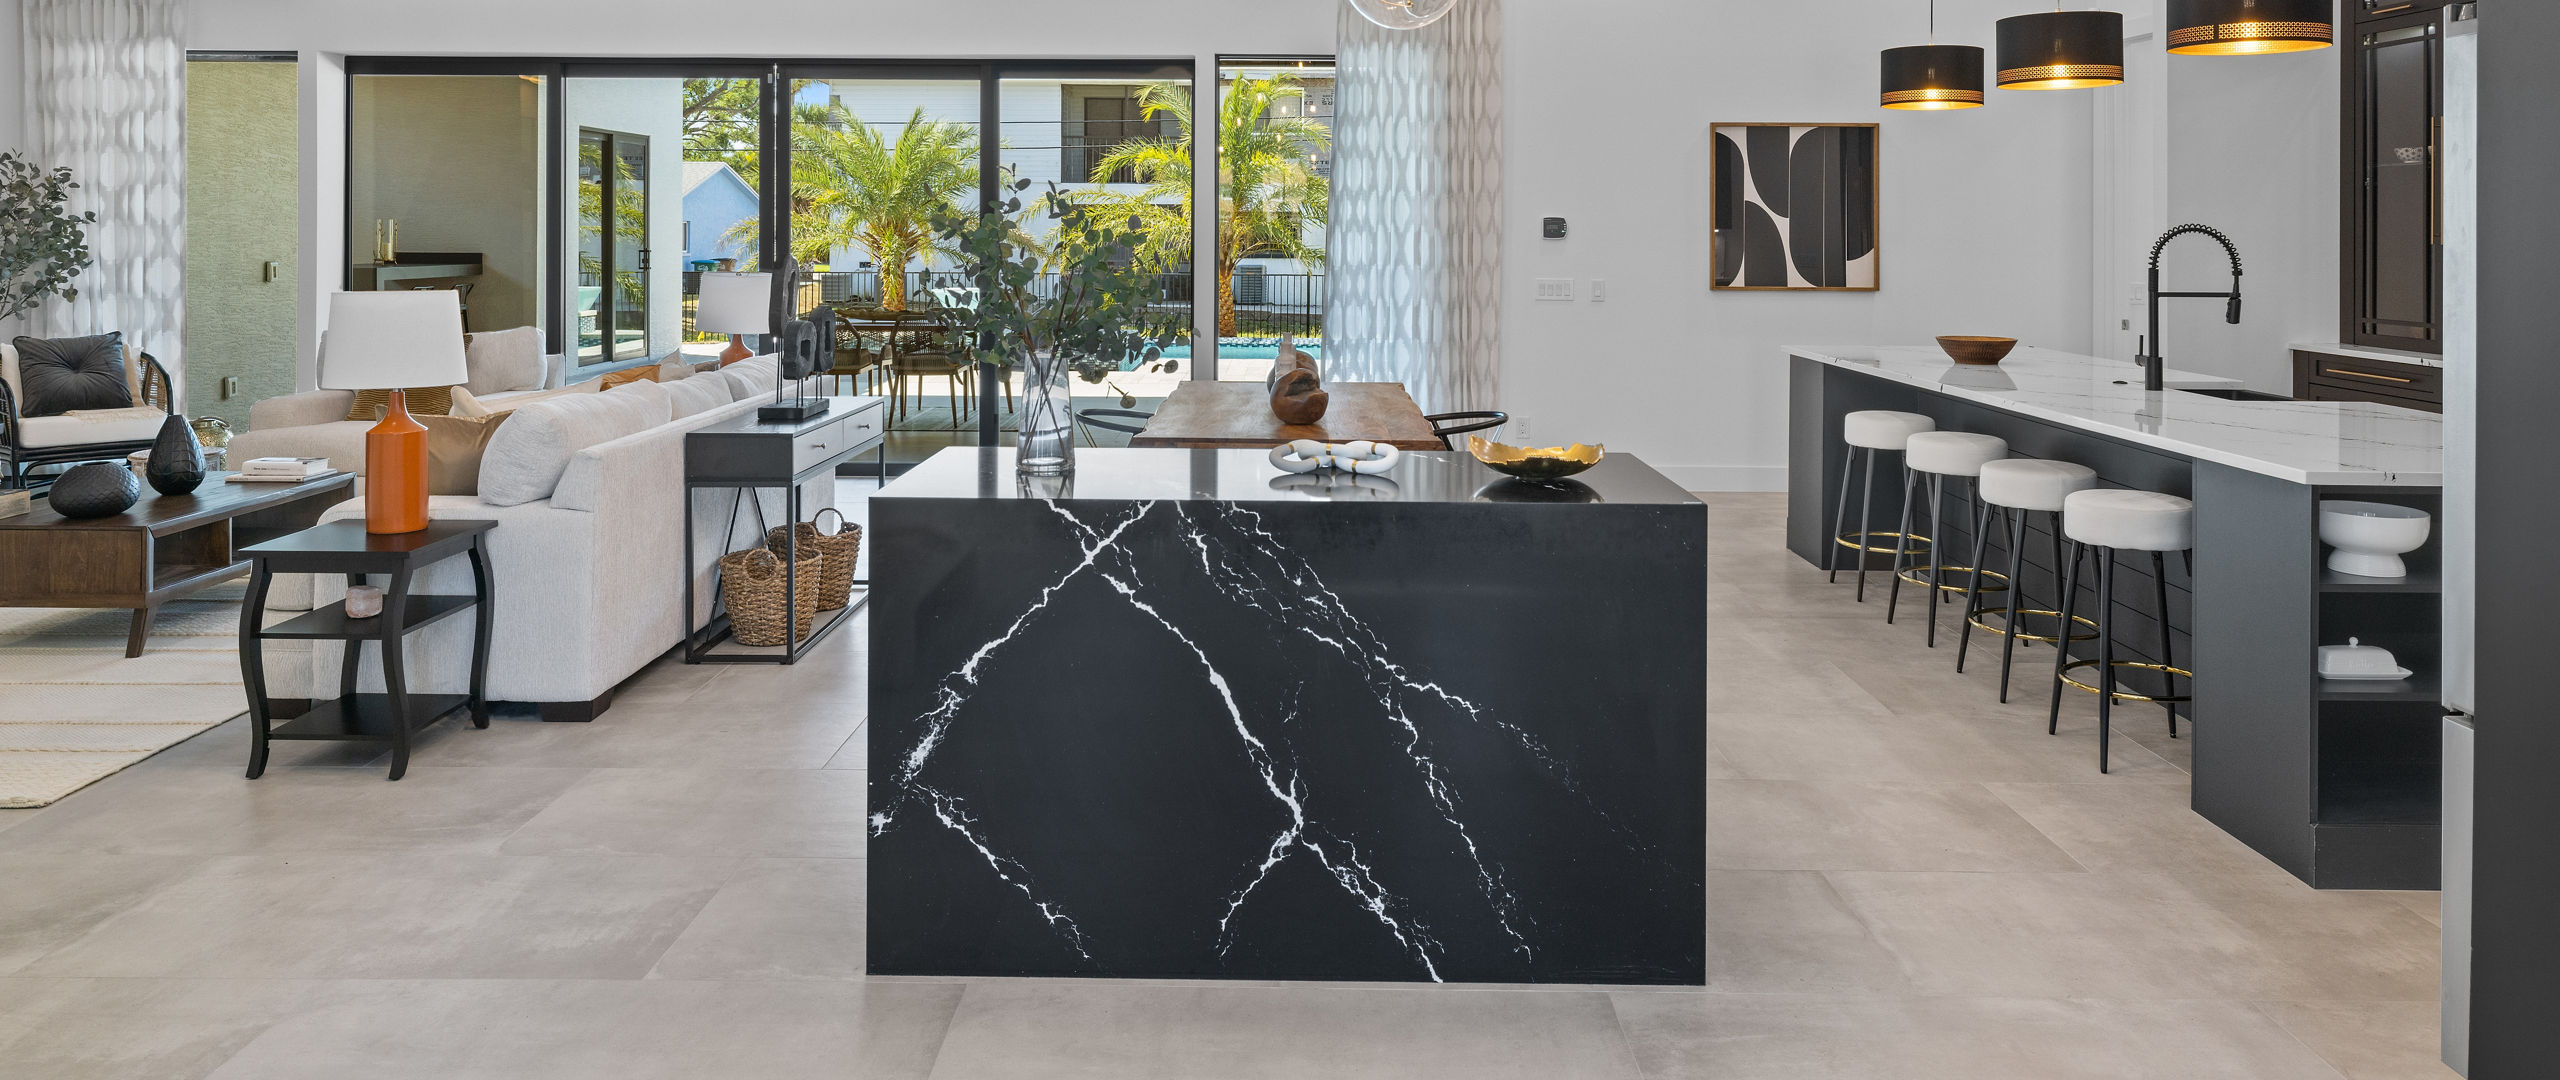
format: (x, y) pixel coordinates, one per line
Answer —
(1459, 423)
(1112, 420)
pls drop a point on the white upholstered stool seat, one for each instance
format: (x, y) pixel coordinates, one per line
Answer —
(1953, 453)
(2034, 483)
(1879, 429)
(2129, 520)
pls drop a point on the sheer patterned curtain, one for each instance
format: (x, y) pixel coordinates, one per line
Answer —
(1414, 245)
(106, 97)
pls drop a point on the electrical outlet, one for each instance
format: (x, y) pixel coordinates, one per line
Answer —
(1555, 288)
(1519, 428)
(230, 387)
(1599, 290)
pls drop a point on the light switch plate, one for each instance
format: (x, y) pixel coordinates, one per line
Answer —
(1555, 288)
(1599, 290)
(230, 386)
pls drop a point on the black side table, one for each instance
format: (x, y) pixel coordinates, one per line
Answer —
(343, 547)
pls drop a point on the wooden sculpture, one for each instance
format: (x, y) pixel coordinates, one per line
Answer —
(1297, 390)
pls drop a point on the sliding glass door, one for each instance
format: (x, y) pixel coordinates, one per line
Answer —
(1275, 177)
(613, 246)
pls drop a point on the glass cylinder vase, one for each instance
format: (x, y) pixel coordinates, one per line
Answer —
(1045, 441)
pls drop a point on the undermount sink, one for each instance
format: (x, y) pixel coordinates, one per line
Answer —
(2232, 393)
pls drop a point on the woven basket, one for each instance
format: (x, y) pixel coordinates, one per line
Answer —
(754, 583)
(836, 553)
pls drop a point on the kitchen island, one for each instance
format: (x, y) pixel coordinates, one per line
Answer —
(1187, 716)
(2336, 782)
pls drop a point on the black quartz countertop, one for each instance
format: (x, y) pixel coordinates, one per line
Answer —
(1144, 475)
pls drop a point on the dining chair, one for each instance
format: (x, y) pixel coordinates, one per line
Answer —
(1111, 420)
(1447, 424)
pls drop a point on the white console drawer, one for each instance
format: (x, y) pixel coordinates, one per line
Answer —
(851, 430)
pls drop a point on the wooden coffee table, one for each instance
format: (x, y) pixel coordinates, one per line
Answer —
(1237, 415)
(164, 548)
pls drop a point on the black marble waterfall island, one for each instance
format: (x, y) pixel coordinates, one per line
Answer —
(2336, 782)
(1191, 717)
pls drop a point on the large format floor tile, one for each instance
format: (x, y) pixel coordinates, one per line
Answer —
(1802, 825)
(769, 813)
(298, 809)
(1752, 1037)
(135, 1029)
(401, 916)
(2369, 1040)
(1127, 1031)
(653, 1030)
(1789, 932)
(776, 919)
(49, 900)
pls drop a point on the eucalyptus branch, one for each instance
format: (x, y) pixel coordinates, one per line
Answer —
(43, 246)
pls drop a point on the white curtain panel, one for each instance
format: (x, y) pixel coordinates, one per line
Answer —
(1414, 245)
(106, 85)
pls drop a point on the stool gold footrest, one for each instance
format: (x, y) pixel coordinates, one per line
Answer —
(1915, 544)
(1993, 580)
(2128, 695)
(1977, 615)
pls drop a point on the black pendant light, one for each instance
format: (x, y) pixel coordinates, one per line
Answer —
(1933, 76)
(2061, 50)
(2245, 27)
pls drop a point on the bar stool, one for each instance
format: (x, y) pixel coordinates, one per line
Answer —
(2018, 487)
(1931, 457)
(1870, 430)
(2109, 521)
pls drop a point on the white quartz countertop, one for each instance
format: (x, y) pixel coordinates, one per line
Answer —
(2307, 442)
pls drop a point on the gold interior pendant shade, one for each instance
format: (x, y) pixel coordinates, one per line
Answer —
(2061, 50)
(2249, 27)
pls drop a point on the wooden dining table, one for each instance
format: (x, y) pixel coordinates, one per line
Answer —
(1237, 415)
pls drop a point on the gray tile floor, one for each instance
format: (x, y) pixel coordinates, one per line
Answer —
(1908, 881)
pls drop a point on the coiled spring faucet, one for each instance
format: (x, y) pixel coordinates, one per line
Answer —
(2151, 364)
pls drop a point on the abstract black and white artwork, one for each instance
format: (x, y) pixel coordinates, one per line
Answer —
(1795, 207)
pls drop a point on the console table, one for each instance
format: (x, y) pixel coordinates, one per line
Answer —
(744, 455)
(343, 547)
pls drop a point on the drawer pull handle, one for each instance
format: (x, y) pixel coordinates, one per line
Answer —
(817, 446)
(2367, 375)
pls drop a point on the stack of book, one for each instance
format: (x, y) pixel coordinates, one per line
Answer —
(281, 470)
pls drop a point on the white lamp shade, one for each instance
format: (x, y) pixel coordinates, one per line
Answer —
(394, 340)
(735, 304)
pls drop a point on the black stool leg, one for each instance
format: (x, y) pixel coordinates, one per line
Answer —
(2062, 649)
(1866, 513)
(1937, 567)
(2168, 648)
(2009, 637)
(2106, 651)
(1973, 586)
(1902, 545)
(1840, 516)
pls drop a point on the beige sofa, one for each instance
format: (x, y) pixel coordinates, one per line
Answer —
(589, 576)
(505, 366)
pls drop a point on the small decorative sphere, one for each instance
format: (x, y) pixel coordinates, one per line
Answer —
(95, 490)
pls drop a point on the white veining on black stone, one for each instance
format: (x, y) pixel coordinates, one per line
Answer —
(1248, 565)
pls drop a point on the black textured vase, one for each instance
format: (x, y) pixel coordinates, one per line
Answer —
(177, 460)
(95, 490)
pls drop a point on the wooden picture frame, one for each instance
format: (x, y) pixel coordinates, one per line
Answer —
(1761, 240)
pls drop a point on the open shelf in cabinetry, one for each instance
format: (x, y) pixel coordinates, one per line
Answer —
(2378, 797)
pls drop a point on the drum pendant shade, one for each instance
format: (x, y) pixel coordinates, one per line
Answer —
(1933, 77)
(2061, 50)
(2249, 27)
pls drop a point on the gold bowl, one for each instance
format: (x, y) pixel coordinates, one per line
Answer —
(1550, 463)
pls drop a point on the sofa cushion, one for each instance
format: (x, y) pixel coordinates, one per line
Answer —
(341, 441)
(423, 401)
(749, 377)
(698, 394)
(611, 379)
(524, 460)
(674, 367)
(455, 447)
(502, 360)
(492, 404)
(57, 375)
(107, 426)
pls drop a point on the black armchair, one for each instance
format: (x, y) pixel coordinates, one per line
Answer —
(157, 392)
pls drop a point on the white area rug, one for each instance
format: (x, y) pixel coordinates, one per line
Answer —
(73, 710)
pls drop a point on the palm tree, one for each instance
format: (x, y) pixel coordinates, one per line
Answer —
(867, 192)
(1268, 189)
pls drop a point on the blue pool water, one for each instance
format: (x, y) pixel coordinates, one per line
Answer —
(1243, 349)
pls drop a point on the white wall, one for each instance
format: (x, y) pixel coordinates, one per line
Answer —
(1985, 217)
(2253, 151)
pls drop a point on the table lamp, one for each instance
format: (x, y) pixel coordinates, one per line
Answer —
(393, 341)
(734, 304)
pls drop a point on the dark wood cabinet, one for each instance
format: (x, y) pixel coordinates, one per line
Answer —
(2391, 264)
(2322, 376)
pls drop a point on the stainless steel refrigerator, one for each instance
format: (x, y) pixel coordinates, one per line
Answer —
(2461, 511)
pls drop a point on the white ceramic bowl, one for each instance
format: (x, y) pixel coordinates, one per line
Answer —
(2370, 537)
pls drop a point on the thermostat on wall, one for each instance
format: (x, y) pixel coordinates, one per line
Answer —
(1555, 228)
